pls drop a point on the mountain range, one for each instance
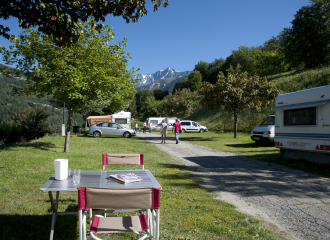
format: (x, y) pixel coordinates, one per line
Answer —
(151, 81)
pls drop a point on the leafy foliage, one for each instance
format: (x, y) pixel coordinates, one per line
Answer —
(236, 93)
(180, 104)
(193, 82)
(307, 41)
(32, 123)
(29, 124)
(89, 73)
(59, 19)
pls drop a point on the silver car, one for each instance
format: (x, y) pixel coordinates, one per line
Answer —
(110, 129)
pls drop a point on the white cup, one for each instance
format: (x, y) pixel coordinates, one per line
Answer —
(61, 169)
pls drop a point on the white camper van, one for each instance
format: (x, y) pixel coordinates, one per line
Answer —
(302, 120)
(265, 131)
(122, 118)
(154, 120)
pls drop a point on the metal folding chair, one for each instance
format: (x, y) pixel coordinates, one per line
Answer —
(146, 199)
(122, 159)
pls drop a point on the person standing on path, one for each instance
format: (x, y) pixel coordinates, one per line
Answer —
(163, 130)
(150, 126)
(177, 129)
(136, 127)
(144, 127)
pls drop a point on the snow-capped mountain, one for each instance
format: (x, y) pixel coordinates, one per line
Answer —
(161, 74)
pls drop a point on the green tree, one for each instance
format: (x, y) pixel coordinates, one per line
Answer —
(237, 92)
(203, 68)
(272, 63)
(149, 107)
(60, 18)
(92, 69)
(141, 98)
(246, 57)
(180, 104)
(214, 68)
(308, 40)
(180, 85)
(195, 81)
(158, 93)
(32, 123)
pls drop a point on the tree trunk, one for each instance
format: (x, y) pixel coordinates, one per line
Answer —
(67, 133)
(235, 125)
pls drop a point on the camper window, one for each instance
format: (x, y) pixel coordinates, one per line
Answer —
(303, 116)
(121, 120)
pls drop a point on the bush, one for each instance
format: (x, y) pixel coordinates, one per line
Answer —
(27, 125)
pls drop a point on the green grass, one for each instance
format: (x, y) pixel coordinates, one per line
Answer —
(187, 210)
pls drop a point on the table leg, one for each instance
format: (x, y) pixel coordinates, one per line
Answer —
(54, 215)
(157, 224)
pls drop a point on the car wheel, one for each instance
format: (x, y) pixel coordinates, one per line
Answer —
(183, 130)
(127, 135)
(201, 131)
(97, 134)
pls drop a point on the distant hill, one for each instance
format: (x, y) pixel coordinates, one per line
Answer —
(10, 103)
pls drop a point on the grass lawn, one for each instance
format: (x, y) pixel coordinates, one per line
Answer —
(187, 211)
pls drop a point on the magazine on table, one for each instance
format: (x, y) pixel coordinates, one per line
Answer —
(125, 178)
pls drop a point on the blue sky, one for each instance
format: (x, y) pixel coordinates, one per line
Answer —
(189, 31)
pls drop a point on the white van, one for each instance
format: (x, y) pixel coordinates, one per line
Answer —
(154, 120)
(265, 131)
(302, 121)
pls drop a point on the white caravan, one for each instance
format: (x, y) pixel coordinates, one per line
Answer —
(154, 120)
(170, 120)
(122, 118)
(265, 131)
(302, 120)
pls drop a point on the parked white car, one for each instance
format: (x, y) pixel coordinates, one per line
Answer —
(265, 131)
(191, 126)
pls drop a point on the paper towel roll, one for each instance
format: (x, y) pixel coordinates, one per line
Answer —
(61, 169)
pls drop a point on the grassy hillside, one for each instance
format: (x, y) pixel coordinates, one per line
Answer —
(222, 121)
(10, 103)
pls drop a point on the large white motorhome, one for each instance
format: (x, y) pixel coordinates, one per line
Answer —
(302, 121)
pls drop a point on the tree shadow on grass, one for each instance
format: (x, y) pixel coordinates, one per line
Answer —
(16, 226)
(46, 146)
(198, 139)
(249, 145)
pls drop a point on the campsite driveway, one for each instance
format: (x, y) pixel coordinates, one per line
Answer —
(296, 202)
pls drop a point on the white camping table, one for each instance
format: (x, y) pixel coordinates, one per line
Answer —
(96, 179)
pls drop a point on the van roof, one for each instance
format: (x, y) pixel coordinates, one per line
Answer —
(305, 98)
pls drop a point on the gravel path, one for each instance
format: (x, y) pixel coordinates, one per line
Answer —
(295, 202)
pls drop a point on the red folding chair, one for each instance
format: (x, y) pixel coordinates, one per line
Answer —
(145, 199)
(122, 159)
